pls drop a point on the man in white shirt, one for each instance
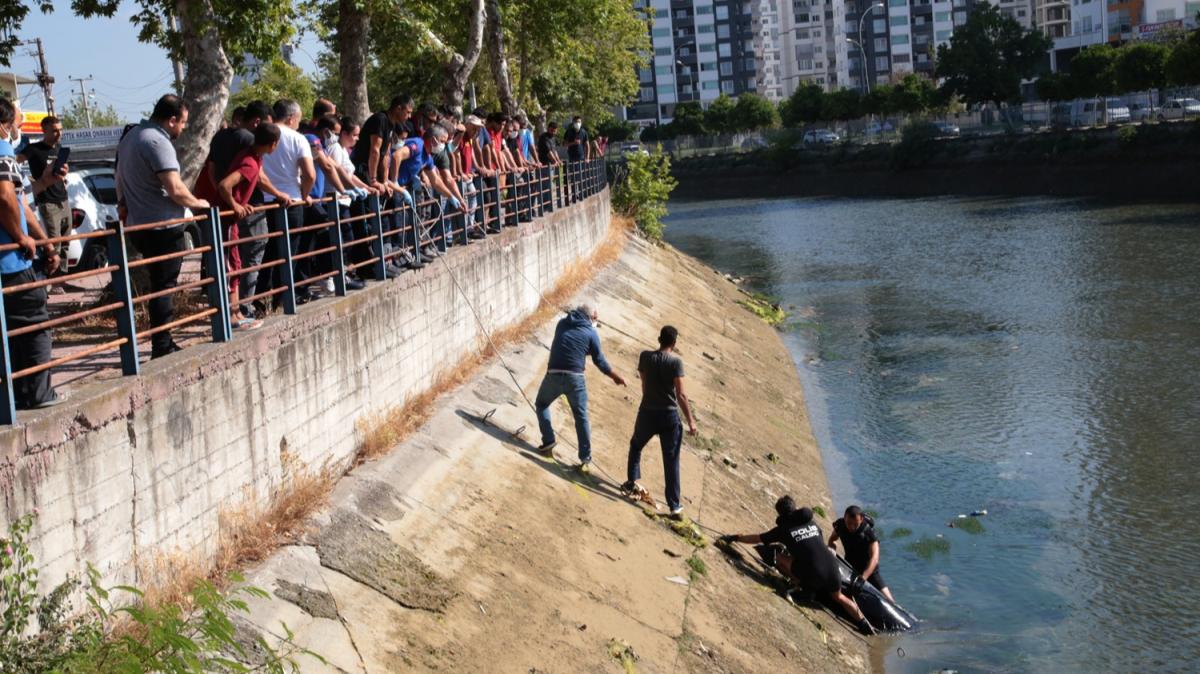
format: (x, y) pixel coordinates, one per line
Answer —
(290, 170)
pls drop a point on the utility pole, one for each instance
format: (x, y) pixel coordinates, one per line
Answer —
(44, 79)
(83, 96)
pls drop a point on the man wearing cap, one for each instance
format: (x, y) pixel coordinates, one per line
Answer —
(662, 399)
(575, 338)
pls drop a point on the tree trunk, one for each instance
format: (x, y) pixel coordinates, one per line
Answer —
(205, 86)
(457, 67)
(495, 39)
(353, 26)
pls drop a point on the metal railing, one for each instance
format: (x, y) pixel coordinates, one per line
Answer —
(365, 235)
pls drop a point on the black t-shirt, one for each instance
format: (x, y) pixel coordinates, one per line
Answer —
(576, 152)
(812, 562)
(224, 146)
(547, 146)
(857, 543)
(659, 370)
(441, 160)
(377, 125)
(39, 155)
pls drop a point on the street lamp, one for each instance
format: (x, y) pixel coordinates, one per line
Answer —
(692, 76)
(867, 11)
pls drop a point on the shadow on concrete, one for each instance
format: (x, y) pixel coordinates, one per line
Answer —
(593, 483)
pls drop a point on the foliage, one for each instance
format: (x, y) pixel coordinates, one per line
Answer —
(1141, 65)
(988, 56)
(73, 116)
(926, 547)
(643, 191)
(765, 308)
(1053, 87)
(971, 525)
(688, 120)
(12, 16)
(615, 130)
(1093, 72)
(878, 101)
(842, 104)
(1183, 65)
(720, 116)
(696, 568)
(803, 106)
(275, 80)
(754, 112)
(167, 639)
(912, 94)
(918, 144)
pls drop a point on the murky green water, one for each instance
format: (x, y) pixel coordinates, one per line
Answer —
(1037, 358)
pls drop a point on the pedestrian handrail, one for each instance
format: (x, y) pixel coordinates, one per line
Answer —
(369, 235)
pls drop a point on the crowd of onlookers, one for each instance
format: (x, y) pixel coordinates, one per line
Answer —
(270, 170)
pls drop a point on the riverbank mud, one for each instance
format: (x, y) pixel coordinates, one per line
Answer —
(464, 549)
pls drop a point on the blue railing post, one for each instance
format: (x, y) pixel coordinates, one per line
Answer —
(218, 290)
(339, 262)
(8, 401)
(380, 263)
(285, 254)
(126, 324)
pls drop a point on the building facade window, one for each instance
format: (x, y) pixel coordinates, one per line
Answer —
(879, 25)
(899, 39)
(722, 12)
(726, 68)
(662, 51)
(898, 21)
(881, 44)
(881, 63)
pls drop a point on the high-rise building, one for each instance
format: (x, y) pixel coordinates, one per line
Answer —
(701, 49)
(812, 45)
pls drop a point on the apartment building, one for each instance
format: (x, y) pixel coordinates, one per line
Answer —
(701, 49)
(812, 45)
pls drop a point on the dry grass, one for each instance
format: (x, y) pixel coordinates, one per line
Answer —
(248, 533)
(383, 430)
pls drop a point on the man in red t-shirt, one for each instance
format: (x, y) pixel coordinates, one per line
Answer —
(232, 193)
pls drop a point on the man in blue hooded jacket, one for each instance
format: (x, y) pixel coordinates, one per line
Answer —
(575, 338)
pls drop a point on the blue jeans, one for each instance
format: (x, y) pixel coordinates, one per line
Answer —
(574, 387)
(665, 424)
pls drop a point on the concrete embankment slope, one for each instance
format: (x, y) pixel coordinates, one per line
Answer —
(462, 550)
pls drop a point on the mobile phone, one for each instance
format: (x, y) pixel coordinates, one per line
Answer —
(60, 159)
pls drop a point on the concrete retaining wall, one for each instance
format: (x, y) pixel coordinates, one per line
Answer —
(137, 465)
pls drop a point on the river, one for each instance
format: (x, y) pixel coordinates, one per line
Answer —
(1036, 358)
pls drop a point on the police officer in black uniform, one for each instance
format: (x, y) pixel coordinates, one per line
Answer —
(856, 531)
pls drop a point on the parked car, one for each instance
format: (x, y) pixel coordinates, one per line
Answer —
(1093, 112)
(1118, 113)
(1060, 115)
(92, 195)
(876, 128)
(1140, 112)
(1179, 108)
(947, 130)
(820, 137)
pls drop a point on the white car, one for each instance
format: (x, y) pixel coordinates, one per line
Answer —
(1179, 108)
(92, 195)
(947, 130)
(1139, 112)
(820, 137)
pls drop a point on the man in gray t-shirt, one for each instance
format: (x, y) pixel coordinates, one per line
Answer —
(662, 399)
(150, 190)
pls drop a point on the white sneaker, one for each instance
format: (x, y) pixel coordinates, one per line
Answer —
(329, 286)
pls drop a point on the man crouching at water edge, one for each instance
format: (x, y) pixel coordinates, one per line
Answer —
(662, 398)
(857, 533)
(575, 338)
(807, 561)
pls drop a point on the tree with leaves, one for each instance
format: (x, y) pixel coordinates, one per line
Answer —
(212, 39)
(688, 120)
(912, 95)
(988, 56)
(1183, 64)
(841, 105)
(73, 116)
(1093, 72)
(878, 101)
(803, 106)
(274, 80)
(1053, 87)
(720, 116)
(754, 112)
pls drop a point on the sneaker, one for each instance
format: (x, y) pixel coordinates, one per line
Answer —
(677, 515)
(475, 233)
(354, 284)
(430, 252)
(547, 448)
(244, 324)
(393, 271)
(54, 399)
(631, 488)
(329, 286)
(585, 468)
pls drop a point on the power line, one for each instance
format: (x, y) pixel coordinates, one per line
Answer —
(152, 83)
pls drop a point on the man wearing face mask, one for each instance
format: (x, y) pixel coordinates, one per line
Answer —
(576, 140)
(23, 308)
(149, 189)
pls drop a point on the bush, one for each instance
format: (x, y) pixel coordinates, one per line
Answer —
(642, 192)
(1128, 135)
(918, 144)
(168, 639)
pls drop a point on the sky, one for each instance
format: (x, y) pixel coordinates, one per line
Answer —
(128, 75)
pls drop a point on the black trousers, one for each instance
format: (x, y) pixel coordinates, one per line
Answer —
(273, 278)
(25, 308)
(163, 275)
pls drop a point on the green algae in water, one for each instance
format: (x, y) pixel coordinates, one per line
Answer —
(901, 532)
(818, 510)
(971, 525)
(765, 308)
(927, 547)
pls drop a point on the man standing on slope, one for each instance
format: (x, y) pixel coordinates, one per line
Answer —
(575, 338)
(662, 398)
